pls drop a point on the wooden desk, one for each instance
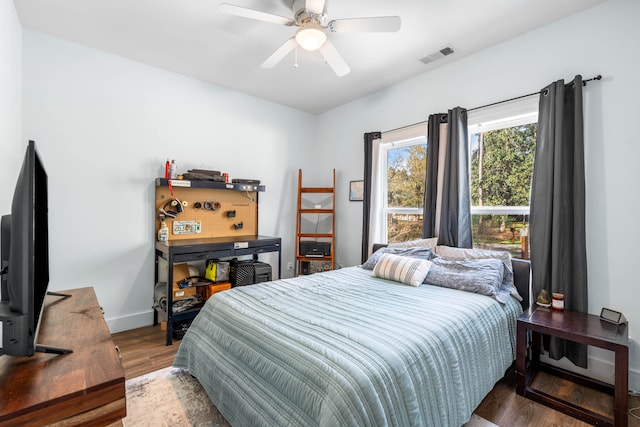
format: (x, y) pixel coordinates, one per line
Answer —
(582, 328)
(86, 387)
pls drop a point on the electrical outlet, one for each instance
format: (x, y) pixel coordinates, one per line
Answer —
(290, 266)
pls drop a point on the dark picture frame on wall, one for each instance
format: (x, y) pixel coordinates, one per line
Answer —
(356, 191)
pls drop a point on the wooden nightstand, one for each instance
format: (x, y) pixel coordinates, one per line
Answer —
(582, 328)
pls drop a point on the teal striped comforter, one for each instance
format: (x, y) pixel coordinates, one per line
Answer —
(342, 348)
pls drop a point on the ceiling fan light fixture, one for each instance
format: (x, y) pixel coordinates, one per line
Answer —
(311, 36)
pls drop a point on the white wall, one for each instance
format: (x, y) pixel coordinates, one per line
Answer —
(602, 40)
(10, 100)
(105, 126)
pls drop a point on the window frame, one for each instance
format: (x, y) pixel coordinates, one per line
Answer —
(511, 114)
(416, 135)
(505, 115)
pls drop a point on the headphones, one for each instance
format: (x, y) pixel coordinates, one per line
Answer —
(173, 204)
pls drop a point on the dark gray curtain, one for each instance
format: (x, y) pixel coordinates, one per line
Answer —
(454, 228)
(431, 179)
(369, 137)
(557, 238)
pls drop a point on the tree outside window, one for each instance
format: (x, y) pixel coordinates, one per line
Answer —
(501, 171)
(406, 171)
(502, 151)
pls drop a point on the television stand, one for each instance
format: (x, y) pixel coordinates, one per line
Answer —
(48, 349)
(86, 387)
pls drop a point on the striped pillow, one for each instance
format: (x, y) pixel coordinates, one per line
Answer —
(410, 271)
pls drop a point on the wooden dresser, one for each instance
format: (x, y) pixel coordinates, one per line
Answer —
(86, 387)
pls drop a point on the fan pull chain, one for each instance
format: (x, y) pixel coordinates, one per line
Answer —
(295, 65)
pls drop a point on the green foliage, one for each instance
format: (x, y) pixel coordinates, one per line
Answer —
(506, 161)
(402, 228)
(406, 176)
(506, 158)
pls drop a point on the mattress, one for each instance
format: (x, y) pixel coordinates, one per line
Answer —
(344, 348)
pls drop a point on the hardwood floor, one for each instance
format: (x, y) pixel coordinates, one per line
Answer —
(143, 351)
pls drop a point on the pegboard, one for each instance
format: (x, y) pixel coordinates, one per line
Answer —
(213, 223)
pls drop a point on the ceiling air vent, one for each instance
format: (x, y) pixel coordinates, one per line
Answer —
(445, 51)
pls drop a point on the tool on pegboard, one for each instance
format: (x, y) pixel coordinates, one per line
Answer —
(211, 206)
(173, 204)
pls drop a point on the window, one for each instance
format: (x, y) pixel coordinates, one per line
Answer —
(501, 154)
(402, 187)
(501, 158)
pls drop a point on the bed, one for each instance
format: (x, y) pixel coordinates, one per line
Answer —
(344, 348)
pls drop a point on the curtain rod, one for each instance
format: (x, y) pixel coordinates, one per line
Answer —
(584, 83)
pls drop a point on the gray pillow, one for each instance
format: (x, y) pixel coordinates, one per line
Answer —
(464, 253)
(421, 253)
(481, 276)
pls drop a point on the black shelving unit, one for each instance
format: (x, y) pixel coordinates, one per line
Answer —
(182, 251)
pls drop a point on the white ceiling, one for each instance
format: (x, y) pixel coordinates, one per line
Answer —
(192, 37)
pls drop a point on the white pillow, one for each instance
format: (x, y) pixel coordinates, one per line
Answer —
(419, 243)
(409, 271)
(465, 253)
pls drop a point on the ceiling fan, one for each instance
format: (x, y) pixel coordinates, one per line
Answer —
(311, 19)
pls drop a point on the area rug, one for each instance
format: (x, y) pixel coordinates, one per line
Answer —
(171, 397)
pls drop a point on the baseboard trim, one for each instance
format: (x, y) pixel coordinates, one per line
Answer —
(133, 321)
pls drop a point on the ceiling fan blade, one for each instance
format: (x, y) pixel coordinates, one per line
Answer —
(280, 53)
(334, 59)
(232, 9)
(380, 24)
(315, 6)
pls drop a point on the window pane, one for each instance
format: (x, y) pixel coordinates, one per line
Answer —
(502, 166)
(403, 227)
(406, 167)
(502, 232)
(501, 171)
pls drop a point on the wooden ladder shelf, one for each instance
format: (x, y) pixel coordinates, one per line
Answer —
(315, 244)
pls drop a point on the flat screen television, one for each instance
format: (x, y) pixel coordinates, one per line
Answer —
(25, 260)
